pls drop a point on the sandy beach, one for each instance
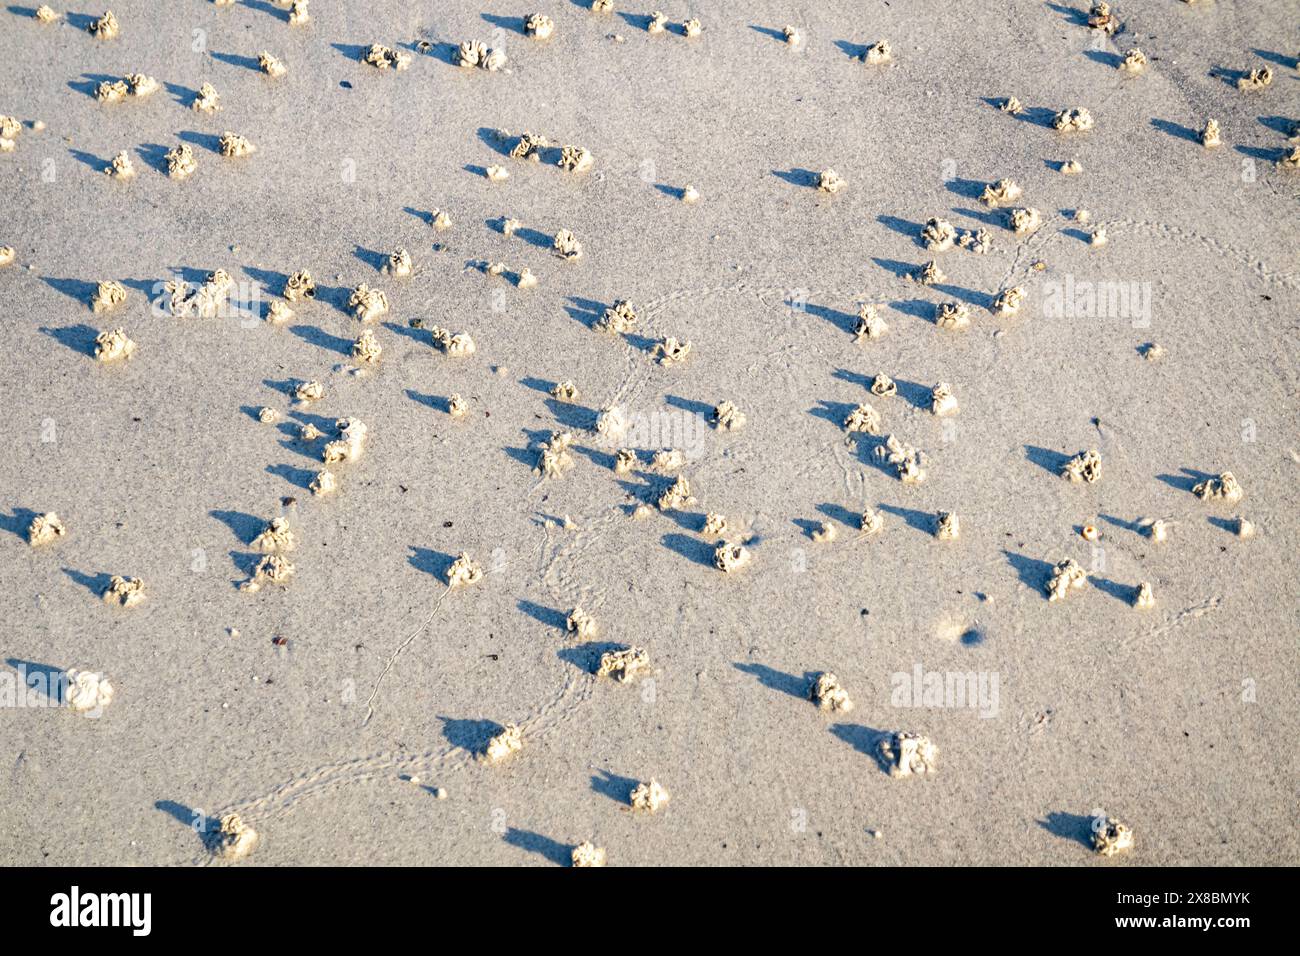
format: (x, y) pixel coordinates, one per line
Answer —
(345, 714)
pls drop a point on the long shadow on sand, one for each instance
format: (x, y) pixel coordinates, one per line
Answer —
(1189, 478)
(585, 311)
(45, 678)
(317, 336)
(245, 526)
(922, 521)
(80, 338)
(298, 477)
(234, 59)
(558, 853)
(185, 816)
(774, 679)
(586, 657)
(1124, 593)
(469, 734)
(899, 268)
(1177, 131)
(843, 321)
(697, 550)
(514, 24)
(265, 7)
(865, 740)
(1050, 461)
(844, 516)
(430, 561)
(96, 584)
(551, 617)
(1069, 826)
(904, 227)
(798, 176)
(613, 786)
(17, 521)
(1033, 573)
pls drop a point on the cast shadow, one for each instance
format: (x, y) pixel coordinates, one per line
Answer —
(833, 412)
(185, 816)
(980, 299)
(351, 51)
(469, 734)
(89, 159)
(693, 549)
(1069, 826)
(1228, 75)
(244, 526)
(1124, 593)
(572, 415)
(1050, 461)
(90, 81)
(619, 789)
(183, 95)
(585, 311)
(922, 309)
(844, 516)
(922, 521)
(703, 409)
(430, 561)
(1189, 478)
(774, 679)
(1033, 573)
(674, 192)
(234, 59)
(1268, 154)
(904, 227)
(41, 677)
(966, 188)
(513, 24)
(492, 138)
(317, 336)
(80, 338)
(371, 257)
(264, 7)
(854, 51)
(551, 617)
(865, 740)
(841, 320)
(1278, 59)
(558, 853)
(586, 657)
(994, 218)
(96, 584)
(1105, 58)
(416, 334)
(798, 176)
(1074, 16)
(1280, 124)
(1177, 131)
(298, 477)
(17, 521)
(204, 141)
(900, 269)
(77, 289)
(1134, 526)
(1224, 524)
